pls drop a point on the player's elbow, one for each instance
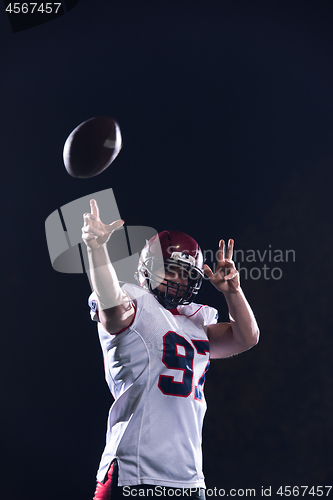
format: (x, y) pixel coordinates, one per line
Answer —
(250, 340)
(254, 339)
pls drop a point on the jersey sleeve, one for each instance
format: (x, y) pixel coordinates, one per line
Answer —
(210, 315)
(132, 291)
(201, 315)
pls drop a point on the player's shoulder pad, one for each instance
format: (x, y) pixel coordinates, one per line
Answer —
(134, 291)
(200, 314)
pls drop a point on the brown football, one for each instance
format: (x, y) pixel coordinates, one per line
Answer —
(92, 146)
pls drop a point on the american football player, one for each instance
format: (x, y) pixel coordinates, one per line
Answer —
(157, 343)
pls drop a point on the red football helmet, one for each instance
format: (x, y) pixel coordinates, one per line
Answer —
(167, 249)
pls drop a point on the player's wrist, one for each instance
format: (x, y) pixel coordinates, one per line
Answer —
(98, 249)
(230, 292)
(98, 257)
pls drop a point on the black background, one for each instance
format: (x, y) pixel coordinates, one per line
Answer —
(227, 122)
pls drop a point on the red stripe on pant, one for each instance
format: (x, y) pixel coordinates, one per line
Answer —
(103, 489)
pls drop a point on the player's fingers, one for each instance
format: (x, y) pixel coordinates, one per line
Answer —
(94, 208)
(92, 230)
(229, 266)
(89, 218)
(220, 253)
(114, 226)
(220, 271)
(208, 272)
(231, 275)
(230, 248)
(87, 236)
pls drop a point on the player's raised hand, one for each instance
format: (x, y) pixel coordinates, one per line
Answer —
(226, 276)
(94, 232)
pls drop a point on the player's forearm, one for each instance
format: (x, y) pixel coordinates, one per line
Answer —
(115, 309)
(244, 325)
(104, 279)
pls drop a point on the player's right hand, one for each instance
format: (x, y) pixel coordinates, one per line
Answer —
(94, 232)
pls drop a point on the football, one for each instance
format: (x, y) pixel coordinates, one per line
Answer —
(92, 146)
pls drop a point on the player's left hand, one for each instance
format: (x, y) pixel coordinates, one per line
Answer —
(226, 276)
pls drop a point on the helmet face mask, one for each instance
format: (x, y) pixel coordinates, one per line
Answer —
(172, 273)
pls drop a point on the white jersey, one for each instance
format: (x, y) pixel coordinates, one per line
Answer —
(155, 370)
